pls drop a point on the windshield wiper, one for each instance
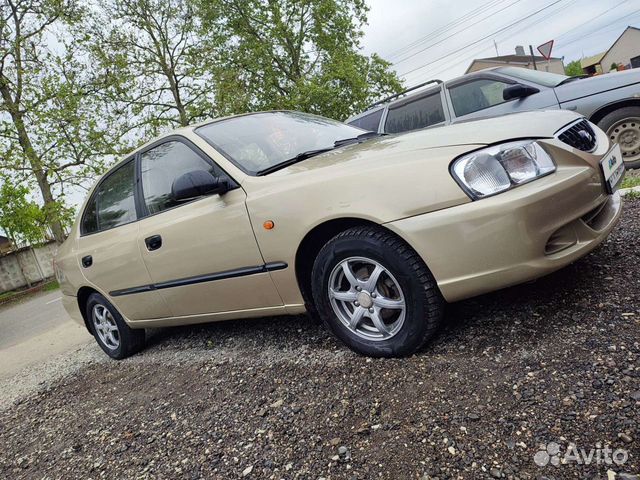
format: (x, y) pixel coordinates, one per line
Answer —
(360, 138)
(299, 157)
(312, 153)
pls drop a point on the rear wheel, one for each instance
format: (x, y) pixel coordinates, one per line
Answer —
(375, 293)
(623, 127)
(114, 336)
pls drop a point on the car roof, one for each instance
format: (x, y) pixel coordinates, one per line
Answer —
(419, 93)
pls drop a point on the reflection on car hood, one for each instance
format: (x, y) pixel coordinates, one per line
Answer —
(593, 85)
(396, 148)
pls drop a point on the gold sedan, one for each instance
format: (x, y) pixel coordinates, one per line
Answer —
(282, 212)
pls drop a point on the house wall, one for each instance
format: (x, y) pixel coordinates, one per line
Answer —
(553, 66)
(627, 47)
(34, 264)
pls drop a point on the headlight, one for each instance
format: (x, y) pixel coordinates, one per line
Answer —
(501, 167)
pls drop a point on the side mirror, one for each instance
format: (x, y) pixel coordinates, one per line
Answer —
(518, 91)
(196, 184)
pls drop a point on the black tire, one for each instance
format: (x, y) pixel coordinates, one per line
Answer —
(617, 116)
(423, 301)
(130, 340)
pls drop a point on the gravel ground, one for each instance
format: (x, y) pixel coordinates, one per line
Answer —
(553, 361)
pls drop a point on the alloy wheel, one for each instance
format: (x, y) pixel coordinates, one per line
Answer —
(367, 298)
(106, 326)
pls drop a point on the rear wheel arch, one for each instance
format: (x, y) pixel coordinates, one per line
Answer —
(612, 107)
(83, 297)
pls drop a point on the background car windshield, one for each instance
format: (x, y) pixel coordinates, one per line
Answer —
(547, 79)
(259, 141)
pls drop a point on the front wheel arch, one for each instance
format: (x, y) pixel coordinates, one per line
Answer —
(612, 107)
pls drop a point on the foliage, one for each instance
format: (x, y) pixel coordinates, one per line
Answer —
(296, 54)
(54, 129)
(162, 71)
(614, 66)
(573, 69)
(23, 221)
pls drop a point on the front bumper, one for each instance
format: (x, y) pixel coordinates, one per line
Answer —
(516, 236)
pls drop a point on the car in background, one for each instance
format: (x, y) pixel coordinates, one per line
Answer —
(611, 101)
(278, 213)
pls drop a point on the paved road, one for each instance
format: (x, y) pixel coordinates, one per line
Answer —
(35, 330)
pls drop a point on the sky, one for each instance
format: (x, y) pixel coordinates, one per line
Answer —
(427, 39)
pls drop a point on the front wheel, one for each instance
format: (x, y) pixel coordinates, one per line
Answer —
(114, 336)
(375, 293)
(623, 127)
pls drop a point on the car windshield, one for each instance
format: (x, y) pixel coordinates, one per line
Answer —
(261, 142)
(547, 79)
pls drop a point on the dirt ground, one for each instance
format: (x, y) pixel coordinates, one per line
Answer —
(509, 375)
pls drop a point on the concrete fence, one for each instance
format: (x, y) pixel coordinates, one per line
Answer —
(27, 265)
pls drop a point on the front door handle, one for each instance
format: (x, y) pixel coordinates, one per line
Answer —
(153, 242)
(87, 261)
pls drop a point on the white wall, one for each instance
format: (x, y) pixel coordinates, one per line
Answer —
(34, 264)
(627, 47)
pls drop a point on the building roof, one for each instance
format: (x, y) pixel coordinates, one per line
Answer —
(596, 59)
(592, 60)
(618, 39)
(511, 59)
(514, 59)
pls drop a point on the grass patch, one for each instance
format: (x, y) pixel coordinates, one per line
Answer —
(630, 181)
(52, 285)
(16, 295)
(632, 196)
(6, 295)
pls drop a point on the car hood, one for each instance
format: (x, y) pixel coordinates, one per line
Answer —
(593, 85)
(391, 177)
(407, 146)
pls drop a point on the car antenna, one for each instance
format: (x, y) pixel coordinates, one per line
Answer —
(396, 95)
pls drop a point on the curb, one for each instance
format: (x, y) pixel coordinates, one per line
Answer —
(24, 293)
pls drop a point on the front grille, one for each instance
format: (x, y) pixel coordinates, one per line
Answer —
(580, 135)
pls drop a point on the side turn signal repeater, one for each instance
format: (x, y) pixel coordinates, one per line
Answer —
(268, 225)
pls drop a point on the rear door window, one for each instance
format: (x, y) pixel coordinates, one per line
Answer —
(411, 115)
(476, 95)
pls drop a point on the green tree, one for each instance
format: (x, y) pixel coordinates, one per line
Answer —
(295, 54)
(573, 69)
(162, 69)
(22, 220)
(54, 130)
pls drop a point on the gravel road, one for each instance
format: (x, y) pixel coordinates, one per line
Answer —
(510, 374)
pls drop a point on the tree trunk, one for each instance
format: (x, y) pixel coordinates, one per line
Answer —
(34, 162)
(175, 91)
(47, 197)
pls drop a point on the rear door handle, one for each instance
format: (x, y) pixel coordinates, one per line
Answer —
(87, 261)
(153, 242)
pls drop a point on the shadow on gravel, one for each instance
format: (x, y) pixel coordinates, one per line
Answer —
(535, 309)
